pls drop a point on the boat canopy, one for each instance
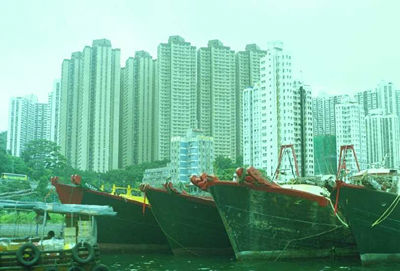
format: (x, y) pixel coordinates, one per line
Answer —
(376, 171)
(41, 207)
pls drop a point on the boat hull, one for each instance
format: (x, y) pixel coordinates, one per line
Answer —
(191, 224)
(273, 225)
(132, 229)
(377, 235)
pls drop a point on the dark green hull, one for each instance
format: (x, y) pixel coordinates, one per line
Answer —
(275, 223)
(377, 233)
(129, 230)
(191, 224)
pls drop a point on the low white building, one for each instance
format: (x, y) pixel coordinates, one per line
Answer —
(191, 155)
(157, 176)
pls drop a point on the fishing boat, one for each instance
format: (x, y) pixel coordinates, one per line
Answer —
(265, 220)
(132, 229)
(370, 205)
(191, 223)
(73, 248)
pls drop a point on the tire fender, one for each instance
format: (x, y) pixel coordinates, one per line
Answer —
(23, 250)
(79, 259)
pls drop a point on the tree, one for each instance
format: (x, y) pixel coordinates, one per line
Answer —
(222, 162)
(224, 168)
(3, 140)
(12, 164)
(43, 154)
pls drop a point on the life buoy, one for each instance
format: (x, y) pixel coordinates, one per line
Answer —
(76, 268)
(86, 246)
(100, 267)
(33, 254)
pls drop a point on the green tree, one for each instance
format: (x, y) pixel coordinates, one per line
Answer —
(224, 168)
(3, 140)
(12, 164)
(43, 159)
(43, 154)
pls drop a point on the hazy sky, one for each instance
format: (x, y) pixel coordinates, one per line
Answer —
(340, 45)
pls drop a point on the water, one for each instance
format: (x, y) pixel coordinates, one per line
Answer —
(136, 262)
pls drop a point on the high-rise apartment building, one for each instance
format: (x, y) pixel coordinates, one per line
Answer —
(387, 97)
(398, 102)
(217, 97)
(247, 75)
(176, 91)
(350, 130)
(383, 137)
(277, 111)
(324, 125)
(192, 154)
(27, 120)
(54, 112)
(139, 129)
(324, 114)
(368, 99)
(89, 107)
(42, 122)
(303, 127)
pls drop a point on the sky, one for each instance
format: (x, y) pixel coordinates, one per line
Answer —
(338, 46)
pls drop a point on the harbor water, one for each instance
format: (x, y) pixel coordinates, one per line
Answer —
(138, 262)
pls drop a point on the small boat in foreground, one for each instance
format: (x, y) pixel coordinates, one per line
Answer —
(267, 221)
(132, 229)
(191, 223)
(75, 248)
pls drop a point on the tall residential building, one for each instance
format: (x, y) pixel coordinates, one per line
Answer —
(41, 117)
(277, 111)
(90, 104)
(387, 97)
(192, 154)
(350, 130)
(138, 139)
(27, 121)
(54, 112)
(176, 91)
(383, 137)
(398, 102)
(303, 127)
(217, 97)
(247, 74)
(368, 99)
(324, 114)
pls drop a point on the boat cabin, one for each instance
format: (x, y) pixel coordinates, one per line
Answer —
(49, 236)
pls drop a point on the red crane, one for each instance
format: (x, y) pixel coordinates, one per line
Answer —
(342, 159)
(283, 147)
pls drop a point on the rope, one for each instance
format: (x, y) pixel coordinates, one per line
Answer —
(387, 212)
(178, 243)
(304, 238)
(337, 215)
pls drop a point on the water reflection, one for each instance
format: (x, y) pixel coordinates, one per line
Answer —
(135, 262)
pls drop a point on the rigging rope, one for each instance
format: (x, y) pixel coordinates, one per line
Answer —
(387, 212)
